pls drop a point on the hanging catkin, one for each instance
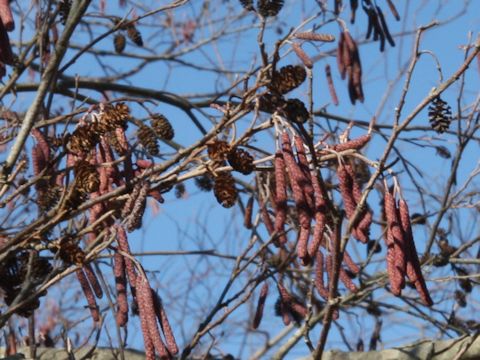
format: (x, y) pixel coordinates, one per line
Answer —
(281, 207)
(414, 271)
(260, 306)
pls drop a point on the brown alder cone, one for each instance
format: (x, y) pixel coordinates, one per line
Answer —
(164, 324)
(247, 219)
(93, 280)
(287, 78)
(218, 150)
(281, 207)
(88, 292)
(241, 161)
(260, 306)
(414, 271)
(147, 311)
(393, 223)
(302, 55)
(224, 189)
(83, 139)
(296, 178)
(121, 287)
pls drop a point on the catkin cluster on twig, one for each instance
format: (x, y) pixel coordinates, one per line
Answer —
(402, 258)
(348, 60)
(377, 24)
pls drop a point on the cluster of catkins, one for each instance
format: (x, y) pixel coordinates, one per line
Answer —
(318, 240)
(91, 152)
(348, 61)
(6, 24)
(402, 257)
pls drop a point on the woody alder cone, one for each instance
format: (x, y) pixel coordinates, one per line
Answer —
(288, 78)
(241, 161)
(224, 189)
(440, 115)
(119, 43)
(162, 127)
(296, 111)
(269, 7)
(148, 139)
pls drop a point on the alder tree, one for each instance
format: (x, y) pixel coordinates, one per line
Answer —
(228, 179)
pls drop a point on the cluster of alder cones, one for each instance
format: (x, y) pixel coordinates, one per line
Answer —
(91, 156)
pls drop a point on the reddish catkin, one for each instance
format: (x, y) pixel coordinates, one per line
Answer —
(42, 143)
(345, 185)
(121, 287)
(351, 265)
(346, 280)
(147, 340)
(319, 270)
(340, 56)
(302, 55)
(88, 292)
(165, 324)
(363, 225)
(302, 246)
(260, 306)
(93, 280)
(304, 166)
(39, 162)
(296, 178)
(331, 86)
(393, 10)
(414, 271)
(247, 219)
(123, 246)
(317, 237)
(355, 144)
(397, 279)
(393, 223)
(320, 217)
(281, 207)
(6, 15)
(289, 301)
(147, 310)
(315, 37)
